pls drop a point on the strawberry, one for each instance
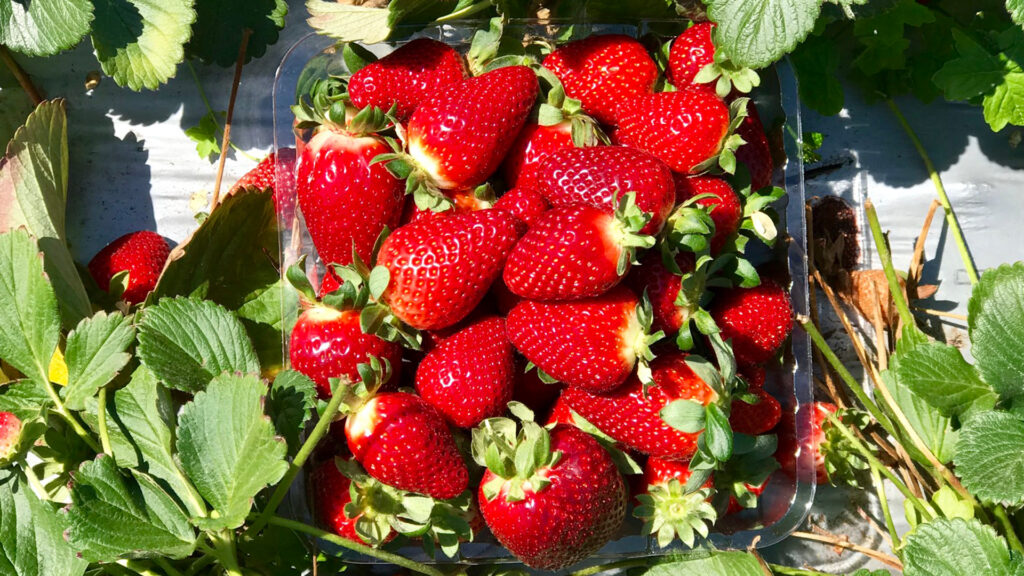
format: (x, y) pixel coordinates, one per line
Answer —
(329, 283)
(754, 374)
(667, 508)
(560, 413)
(142, 254)
(526, 204)
(588, 344)
(685, 129)
(10, 435)
(462, 201)
(346, 201)
(756, 154)
(331, 495)
(406, 77)
(471, 374)
(724, 206)
(601, 175)
(327, 343)
(576, 251)
(558, 505)
(277, 172)
(690, 52)
(633, 417)
(754, 491)
(758, 418)
(441, 268)
(662, 287)
(602, 72)
(534, 143)
(459, 136)
(787, 452)
(757, 320)
(405, 443)
(658, 471)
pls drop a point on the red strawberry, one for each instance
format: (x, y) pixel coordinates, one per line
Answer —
(10, 434)
(633, 418)
(331, 494)
(532, 146)
(329, 283)
(755, 492)
(346, 201)
(603, 72)
(690, 52)
(756, 154)
(143, 254)
(536, 394)
(754, 374)
(601, 175)
(573, 252)
(560, 413)
(470, 375)
(662, 287)
(786, 453)
(526, 204)
(276, 171)
(658, 471)
(589, 344)
(754, 419)
(441, 268)
(405, 443)
(724, 207)
(328, 343)
(757, 320)
(556, 510)
(463, 201)
(684, 129)
(460, 135)
(406, 77)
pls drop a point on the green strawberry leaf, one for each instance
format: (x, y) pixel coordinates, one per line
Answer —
(708, 563)
(292, 396)
(33, 189)
(995, 320)
(32, 533)
(1016, 10)
(219, 26)
(956, 547)
(23, 398)
(883, 36)
(186, 343)
(206, 134)
(816, 63)
(990, 457)
(616, 11)
(115, 514)
(140, 43)
(411, 12)
(29, 321)
(347, 22)
(997, 77)
(934, 429)
(228, 448)
(756, 34)
(43, 27)
(939, 375)
(96, 351)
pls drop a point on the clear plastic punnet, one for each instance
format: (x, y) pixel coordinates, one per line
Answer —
(787, 500)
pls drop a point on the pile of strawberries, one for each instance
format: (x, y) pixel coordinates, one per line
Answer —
(580, 297)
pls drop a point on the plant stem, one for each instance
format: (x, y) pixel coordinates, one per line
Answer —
(467, 11)
(166, 566)
(951, 219)
(295, 467)
(205, 560)
(102, 417)
(59, 408)
(20, 75)
(890, 273)
(209, 108)
(618, 564)
(1011, 534)
(34, 482)
(876, 479)
(138, 566)
(227, 120)
(354, 546)
(841, 543)
(224, 548)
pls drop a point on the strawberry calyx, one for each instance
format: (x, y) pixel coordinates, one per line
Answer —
(727, 76)
(670, 511)
(425, 192)
(519, 456)
(557, 107)
(742, 479)
(327, 102)
(644, 340)
(630, 220)
(843, 463)
(726, 157)
(372, 375)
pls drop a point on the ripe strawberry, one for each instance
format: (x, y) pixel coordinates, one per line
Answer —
(526, 204)
(662, 287)
(460, 135)
(754, 374)
(787, 454)
(667, 508)
(576, 251)
(463, 201)
(407, 76)
(724, 207)
(757, 320)
(329, 283)
(684, 129)
(143, 254)
(754, 491)
(658, 471)
(588, 344)
(603, 72)
(471, 374)
(531, 147)
(345, 200)
(690, 52)
(10, 434)
(441, 268)
(328, 343)
(756, 154)
(601, 175)
(560, 413)
(404, 442)
(331, 494)
(633, 418)
(754, 419)
(277, 172)
(559, 507)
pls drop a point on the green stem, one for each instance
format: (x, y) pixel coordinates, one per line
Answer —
(789, 571)
(355, 546)
(34, 482)
(467, 11)
(618, 564)
(951, 219)
(1011, 534)
(59, 408)
(890, 273)
(227, 555)
(296, 464)
(139, 567)
(102, 417)
(876, 479)
(209, 108)
(203, 561)
(166, 566)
